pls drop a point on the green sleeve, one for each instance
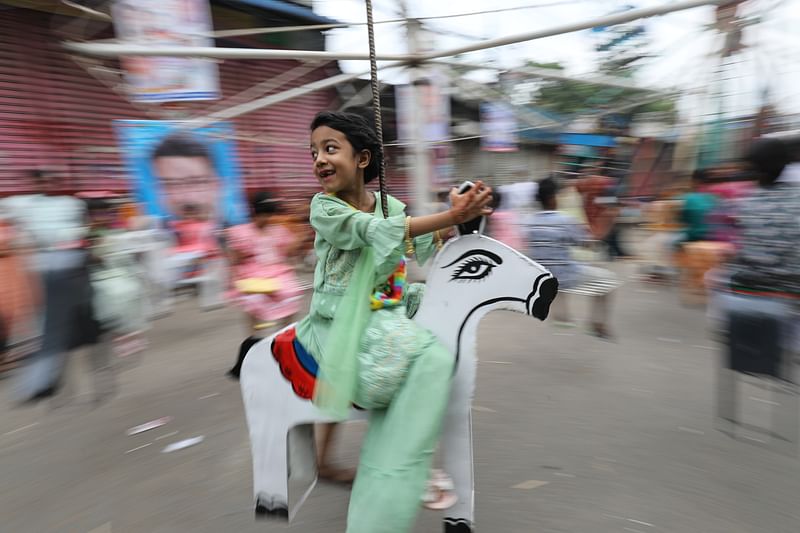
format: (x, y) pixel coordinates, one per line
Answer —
(346, 228)
(425, 246)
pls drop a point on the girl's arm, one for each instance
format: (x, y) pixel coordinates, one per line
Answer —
(348, 229)
(464, 207)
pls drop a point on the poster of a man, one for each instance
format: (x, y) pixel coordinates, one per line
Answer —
(176, 172)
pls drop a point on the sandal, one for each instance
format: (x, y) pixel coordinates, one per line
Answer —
(439, 493)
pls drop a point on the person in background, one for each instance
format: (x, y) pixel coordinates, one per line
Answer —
(767, 260)
(760, 283)
(551, 235)
(261, 253)
(119, 302)
(728, 184)
(57, 226)
(695, 210)
(503, 224)
(601, 207)
(19, 297)
(196, 240)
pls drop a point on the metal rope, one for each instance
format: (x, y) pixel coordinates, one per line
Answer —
(376, 107)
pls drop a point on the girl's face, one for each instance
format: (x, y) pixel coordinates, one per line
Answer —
(337, 166)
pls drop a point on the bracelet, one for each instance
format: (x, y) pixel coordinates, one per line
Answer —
(409, 243)
(438, 238)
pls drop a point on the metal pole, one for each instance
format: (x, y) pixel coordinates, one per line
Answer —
(272, 99)
(106, 49)
(121, 49)
(610, 20)
(422, 162)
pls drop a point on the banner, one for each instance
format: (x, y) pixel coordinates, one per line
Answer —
(167, 23)
(174, 171)
(498, 127)
(435, 111)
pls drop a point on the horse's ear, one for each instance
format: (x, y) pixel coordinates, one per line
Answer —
(476, 225)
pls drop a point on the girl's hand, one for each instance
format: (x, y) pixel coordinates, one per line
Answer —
(471, 204)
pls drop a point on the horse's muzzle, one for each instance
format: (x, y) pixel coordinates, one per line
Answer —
(539, 306)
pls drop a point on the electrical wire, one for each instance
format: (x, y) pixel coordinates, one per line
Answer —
(338, 25)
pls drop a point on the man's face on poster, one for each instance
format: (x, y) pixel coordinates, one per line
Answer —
(188, 180)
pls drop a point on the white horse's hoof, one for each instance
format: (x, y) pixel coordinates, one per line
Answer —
(267, 508)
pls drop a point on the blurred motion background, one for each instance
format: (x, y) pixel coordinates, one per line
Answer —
(652, 163)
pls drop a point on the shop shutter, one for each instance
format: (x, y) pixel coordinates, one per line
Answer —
(54, 114)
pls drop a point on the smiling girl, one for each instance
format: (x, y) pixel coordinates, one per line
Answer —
(369, 352)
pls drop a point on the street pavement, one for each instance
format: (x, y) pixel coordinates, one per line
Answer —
(572, 434)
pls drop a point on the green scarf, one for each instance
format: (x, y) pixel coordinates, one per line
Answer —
(337, 379)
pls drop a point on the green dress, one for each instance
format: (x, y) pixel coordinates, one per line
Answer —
(357, 252)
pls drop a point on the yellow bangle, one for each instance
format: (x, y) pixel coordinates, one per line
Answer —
(409, 243)
(438, 238)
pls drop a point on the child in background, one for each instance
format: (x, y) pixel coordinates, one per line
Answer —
(265, 285)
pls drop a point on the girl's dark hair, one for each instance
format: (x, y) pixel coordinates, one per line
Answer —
(548, 188)
(360, 134)
(264, 204)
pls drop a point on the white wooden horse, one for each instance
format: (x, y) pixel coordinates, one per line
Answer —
(471, 275)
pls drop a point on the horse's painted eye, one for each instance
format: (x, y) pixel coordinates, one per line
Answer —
(474, 268)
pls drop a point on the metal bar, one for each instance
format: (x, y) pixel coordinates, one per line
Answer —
(284, 29)
(278, 98)
(360, 98)
(267, 85)
(112, 50)
(610, 20)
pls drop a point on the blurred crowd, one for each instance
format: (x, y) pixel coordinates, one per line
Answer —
(729, 239)
(91, 271)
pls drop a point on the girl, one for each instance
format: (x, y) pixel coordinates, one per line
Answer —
(369, 352)
(260, 253)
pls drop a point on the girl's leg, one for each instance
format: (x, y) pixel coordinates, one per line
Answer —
(327, 433)
(398, 448)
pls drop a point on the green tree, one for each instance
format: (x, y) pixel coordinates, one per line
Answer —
(570, 97)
